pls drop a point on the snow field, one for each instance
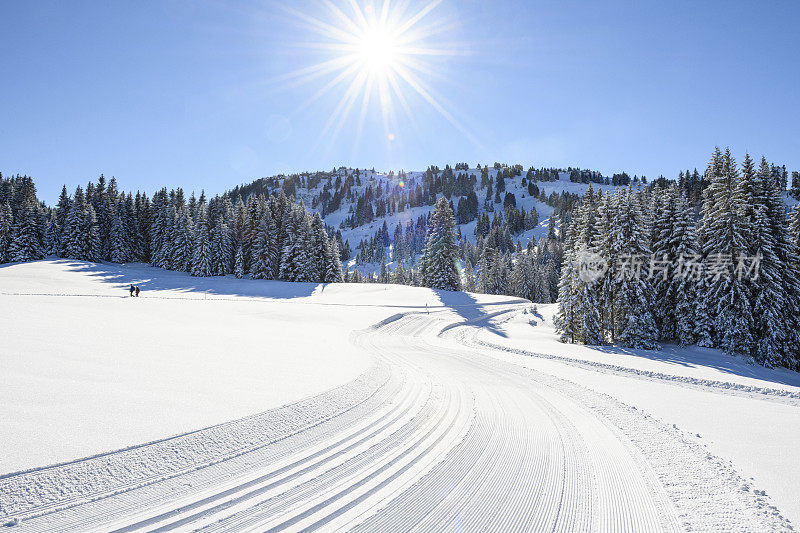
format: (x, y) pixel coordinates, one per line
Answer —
(751, 419)
(90, 369)
(447, 425)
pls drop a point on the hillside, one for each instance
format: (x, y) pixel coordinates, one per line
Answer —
(342, 202)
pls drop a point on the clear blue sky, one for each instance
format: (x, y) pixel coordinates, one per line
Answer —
(195, 94)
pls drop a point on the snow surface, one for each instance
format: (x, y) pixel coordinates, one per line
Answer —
(742, 412)
(374, 407)
(86, 368)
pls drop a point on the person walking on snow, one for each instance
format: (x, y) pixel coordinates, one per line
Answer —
(137, 291)
(132, 289)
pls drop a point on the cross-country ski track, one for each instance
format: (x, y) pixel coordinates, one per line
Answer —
(438, 435)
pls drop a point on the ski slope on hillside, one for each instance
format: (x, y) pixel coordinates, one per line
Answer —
(437, 422)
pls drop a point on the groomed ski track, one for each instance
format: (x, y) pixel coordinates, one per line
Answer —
(436, 436)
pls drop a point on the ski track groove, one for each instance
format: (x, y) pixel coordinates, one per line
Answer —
(403, 407)
(437, 435)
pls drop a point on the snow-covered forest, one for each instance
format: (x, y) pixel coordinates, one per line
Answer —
(477, 230)
(728, 278)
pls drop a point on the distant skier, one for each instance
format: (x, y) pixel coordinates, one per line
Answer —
(137, 291)
(132, 289)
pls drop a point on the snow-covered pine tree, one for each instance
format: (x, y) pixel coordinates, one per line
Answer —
(238, 267)
(80, 233)
(399, 274)
(221, 252)
(273, 246)
(306, 247)
(485, 266)
(609, 244)
(72, 242)
(384, 273)
(158, 229)
(569, 318)
(777, 287)
(119, 238)
(703, 327)
(294, 256)
(319, 249)
(52, 237)
(768, 296)
(635, 292)
(93, 245)
(28, 235)
(242, 232)
(182, 242)
(683, 244)
(587, 291)
(664, 218)
(440, 255)
(333, 265)
(261, 263)
(566, 320)
(468, 281)
(6, 223)
(61, 212)
(201, 254)
(726, 235)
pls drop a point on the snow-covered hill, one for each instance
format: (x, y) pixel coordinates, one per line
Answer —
(389, 181)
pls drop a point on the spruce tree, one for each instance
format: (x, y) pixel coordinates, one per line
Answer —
(61, 213)
(294, 256)
(93, 244)
(566, 319)
(238, 267)
(28, 237)
(119, 239)
(6, 222)
(440, 255)
(53, 235)
(635, 292)
(794, 226)
(468, 283)
(726, 230)
(333, 265)
(683, 291)
(201, 254)
(80, 234)
(182, 242)
(221, 251)
(261, 265)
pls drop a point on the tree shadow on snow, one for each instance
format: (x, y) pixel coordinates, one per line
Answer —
(695, 356)
(149, 278)
(467, 307)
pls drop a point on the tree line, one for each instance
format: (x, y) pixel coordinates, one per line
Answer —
(266, 237)
(644, 265)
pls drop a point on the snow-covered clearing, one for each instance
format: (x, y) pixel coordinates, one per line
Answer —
(86, 368)
(373, 407)
(742, 412)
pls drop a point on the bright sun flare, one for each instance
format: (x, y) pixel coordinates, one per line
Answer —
(381, 53)
(377, 49)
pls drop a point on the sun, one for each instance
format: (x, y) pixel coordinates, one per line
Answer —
(377, 49)
(383, 53)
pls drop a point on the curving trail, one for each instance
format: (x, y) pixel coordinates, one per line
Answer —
(437, 436)
(533, 459)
